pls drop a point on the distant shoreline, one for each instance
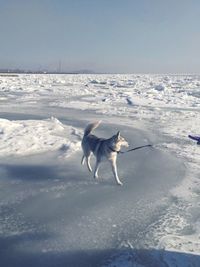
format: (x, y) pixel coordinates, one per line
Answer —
(16, 74)
(18, 71)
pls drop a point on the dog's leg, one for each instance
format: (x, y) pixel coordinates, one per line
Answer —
(88, 163)
(114, 169)
(83, 160)
(96, 169)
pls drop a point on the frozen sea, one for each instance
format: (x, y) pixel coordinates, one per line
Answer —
(52, 211)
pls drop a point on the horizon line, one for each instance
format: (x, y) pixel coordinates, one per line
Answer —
(85, 71)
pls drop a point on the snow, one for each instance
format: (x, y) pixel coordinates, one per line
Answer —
(53, 213)
(28, 137)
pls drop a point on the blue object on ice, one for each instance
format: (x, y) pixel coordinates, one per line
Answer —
(196, 138)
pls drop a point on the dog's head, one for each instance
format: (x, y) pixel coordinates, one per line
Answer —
(119, 141)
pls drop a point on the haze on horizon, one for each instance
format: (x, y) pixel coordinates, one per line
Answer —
(130, 36)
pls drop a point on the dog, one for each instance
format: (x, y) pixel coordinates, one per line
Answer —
(103, 149)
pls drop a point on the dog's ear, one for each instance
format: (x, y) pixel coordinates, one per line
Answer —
(118, 134)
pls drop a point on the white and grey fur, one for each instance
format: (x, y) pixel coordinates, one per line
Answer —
(102, 149)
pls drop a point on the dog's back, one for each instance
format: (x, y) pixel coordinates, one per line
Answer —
(91, 142)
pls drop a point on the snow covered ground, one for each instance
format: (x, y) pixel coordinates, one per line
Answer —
(54, 214)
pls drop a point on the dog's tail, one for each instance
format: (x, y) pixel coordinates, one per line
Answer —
(90, 127)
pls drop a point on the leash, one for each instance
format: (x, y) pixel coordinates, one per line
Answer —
(129, 150)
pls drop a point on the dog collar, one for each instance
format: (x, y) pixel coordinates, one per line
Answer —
(113, 150)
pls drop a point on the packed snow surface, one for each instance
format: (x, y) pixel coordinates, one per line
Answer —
(35, 136)
(52, 211)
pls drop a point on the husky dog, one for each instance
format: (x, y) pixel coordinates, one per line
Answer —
(102, 149)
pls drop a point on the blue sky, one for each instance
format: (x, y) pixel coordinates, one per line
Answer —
(120, 36)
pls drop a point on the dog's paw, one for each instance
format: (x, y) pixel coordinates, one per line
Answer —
(119, 183)
(96, 176)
